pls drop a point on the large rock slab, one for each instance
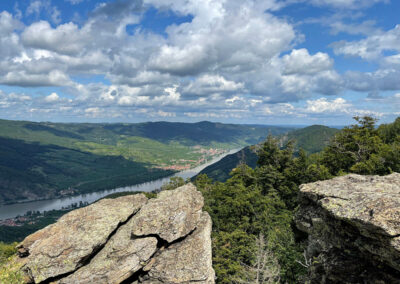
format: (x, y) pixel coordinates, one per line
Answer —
(121, 257)
(353, 223)
(188, 261)
(172, 215)
(125, 240)
(65, 246)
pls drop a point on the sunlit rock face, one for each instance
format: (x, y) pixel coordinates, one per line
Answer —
(129, 239)
(353, 227)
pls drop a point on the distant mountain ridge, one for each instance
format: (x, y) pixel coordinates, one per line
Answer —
(46, 160)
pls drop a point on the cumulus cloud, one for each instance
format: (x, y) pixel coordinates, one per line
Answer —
(324, 105)
(53, 97)
(65, 39)
(300, 61)
(209, 84)
(24, 79)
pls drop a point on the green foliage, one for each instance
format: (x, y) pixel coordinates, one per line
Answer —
(311, 139)
(6, 251)
(9, 269)
(220, 170)
(260, 201)
(174, 182)
(253, 202)
(363, 149)
(10, 272)
(126, 193)
(390, 133)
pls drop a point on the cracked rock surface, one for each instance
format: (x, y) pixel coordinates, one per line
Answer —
(353, 227)
(129, 239)
(172, 215)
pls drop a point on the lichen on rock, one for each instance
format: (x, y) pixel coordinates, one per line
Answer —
(129, 239)
(353, 227)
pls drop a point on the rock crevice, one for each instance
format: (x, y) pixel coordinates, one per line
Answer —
(353, 227)
(125, 240)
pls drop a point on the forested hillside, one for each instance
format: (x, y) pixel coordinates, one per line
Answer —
(312, 139)
(220, 170)
(46, 160)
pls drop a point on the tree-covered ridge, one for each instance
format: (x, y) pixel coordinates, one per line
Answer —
(364, 149)
(220, 170)
(189, 134)
(312, 139)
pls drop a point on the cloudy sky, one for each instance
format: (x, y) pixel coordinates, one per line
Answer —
(240, 61)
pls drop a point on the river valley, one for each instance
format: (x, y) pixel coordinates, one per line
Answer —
(13, 210)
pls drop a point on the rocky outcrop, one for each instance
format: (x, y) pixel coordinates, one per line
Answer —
(353, 227)
(125, 240)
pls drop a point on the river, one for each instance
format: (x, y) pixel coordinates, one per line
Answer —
(13, 210)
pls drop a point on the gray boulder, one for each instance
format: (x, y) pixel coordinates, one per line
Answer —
(172, 215)
(64, 246)
(129, 239)
(353, 227)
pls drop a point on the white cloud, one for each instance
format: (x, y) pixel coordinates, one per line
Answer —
(208, 84)
(380, 80)
(65, 39)
(24, 79)
(37, 6)
(299, 61)
(324, 105)
(53, 97)
(93, 112)
(372, 47)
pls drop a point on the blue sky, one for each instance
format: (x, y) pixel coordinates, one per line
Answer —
(265, 62)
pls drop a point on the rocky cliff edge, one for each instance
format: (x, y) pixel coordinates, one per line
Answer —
(353, 227)
(129, 239)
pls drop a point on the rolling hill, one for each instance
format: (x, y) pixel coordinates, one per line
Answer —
(312, 139)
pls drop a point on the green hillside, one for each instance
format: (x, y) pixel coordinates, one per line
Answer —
(220, 170)
(312, 139)
(47, 160)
